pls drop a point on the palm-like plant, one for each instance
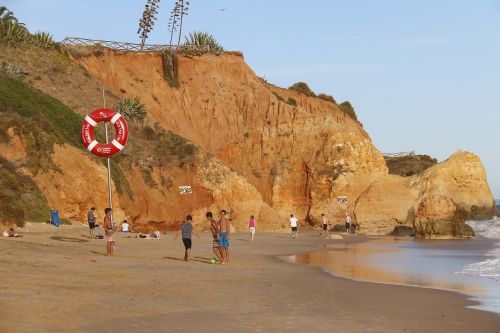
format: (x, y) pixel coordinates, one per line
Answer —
(14, 34)
(203, 39)
(43, 40)
(6, 16)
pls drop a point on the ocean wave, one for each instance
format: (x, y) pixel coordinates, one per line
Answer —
(489, 268)
(488, 228)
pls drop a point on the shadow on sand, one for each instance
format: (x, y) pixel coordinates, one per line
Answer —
(99, 253)
(198, 259)
(69, 239)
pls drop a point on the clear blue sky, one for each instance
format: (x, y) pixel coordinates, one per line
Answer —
(423, 75)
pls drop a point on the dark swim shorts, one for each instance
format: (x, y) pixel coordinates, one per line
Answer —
(187, 243)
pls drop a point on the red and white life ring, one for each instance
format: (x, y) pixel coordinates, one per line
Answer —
(104, 149)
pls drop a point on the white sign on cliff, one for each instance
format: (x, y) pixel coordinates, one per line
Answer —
(342, 199)
(185, 189)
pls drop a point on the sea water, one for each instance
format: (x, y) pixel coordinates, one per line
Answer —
(471, 267)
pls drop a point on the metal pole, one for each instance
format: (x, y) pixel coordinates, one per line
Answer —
(110, 192)
(109, 178)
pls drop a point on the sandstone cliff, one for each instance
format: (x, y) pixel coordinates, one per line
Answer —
(260, 150)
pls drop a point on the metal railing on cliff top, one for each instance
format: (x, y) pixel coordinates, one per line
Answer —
(402, 154)
(126, 46)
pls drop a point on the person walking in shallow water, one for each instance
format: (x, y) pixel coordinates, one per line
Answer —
(91, 221)
(251, 227)
(324, 222)
(109, 230)
(293, 225)
(215, 230)
(348, 223)
(186, 230)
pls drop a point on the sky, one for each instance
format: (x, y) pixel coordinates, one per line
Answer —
(423, 75)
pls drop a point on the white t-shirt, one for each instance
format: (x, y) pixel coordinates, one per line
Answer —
(348, 219)
(125, 227)
(325, 220)
(293, 221)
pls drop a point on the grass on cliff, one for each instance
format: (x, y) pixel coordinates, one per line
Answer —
(20, 197)
(52, 115)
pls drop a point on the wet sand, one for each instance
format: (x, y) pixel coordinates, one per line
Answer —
(58, 280)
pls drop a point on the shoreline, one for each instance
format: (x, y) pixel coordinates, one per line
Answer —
(50, 283)
(390, 248)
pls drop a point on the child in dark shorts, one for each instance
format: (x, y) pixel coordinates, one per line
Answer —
(186, 230)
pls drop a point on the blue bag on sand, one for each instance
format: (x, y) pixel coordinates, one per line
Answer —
(54, 217)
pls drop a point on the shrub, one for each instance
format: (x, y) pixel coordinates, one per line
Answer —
(347, 108)
(174, 149)
(203, 39)
(278, 97)
(131, 109)
(303, 88)
(148, 132)
(291, 101)
(328, 98)
(170, 66)
(147, 174)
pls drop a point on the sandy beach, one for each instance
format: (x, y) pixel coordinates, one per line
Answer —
(58, 280)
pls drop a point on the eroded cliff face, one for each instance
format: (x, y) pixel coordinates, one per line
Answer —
(263, 150)
(298, 156)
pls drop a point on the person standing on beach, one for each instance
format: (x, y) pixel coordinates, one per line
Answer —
(293, 224)
(91, 221)
(251, 227)
(325, 225)
(186, 230)
(225, 228)
(109, 230)
(348, 222)
(215, 229)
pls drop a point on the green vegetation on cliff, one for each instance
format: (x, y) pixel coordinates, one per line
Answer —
(50, 114)
(409, 165)
(20, 197)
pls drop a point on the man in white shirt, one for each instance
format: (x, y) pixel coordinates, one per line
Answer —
(293, 224)
(125, 226)
(325, 225)
(348, 223)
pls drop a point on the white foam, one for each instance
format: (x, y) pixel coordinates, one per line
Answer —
(488, 228)
(490, 268)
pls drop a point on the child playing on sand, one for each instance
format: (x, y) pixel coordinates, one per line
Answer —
(251, 227)
(225, 228)
(109, 230)
(215, 229)
(293, 225)
(186, 230)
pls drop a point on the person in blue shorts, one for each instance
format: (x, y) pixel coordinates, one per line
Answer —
(225, 229)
